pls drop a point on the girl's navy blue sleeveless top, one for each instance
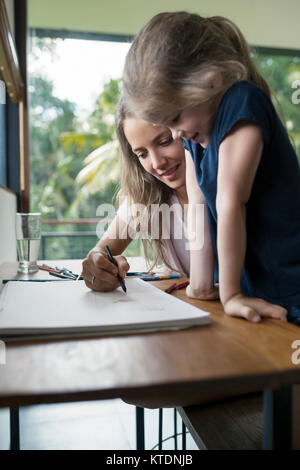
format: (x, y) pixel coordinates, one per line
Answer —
(272, 262)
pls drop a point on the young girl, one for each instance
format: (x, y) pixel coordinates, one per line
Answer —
(153, 172)
(195, 75)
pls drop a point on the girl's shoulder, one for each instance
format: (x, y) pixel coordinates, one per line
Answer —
(244, 101)
(244, 92)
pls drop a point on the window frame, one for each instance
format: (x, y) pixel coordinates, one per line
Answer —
(10, 73)
(10, 69)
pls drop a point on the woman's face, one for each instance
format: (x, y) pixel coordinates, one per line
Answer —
(157, 151)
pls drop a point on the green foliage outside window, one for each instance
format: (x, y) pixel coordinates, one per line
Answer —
(281, 72)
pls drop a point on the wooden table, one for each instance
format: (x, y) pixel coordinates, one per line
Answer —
(230, 356)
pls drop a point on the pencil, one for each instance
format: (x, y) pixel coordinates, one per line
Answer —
(62, 276)
(176, 287)
(160, 278)
(5, 281)
(112, 260)
(136, 273)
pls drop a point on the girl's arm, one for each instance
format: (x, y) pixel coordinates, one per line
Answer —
(97, 264)
(200, 245)
(238, 164)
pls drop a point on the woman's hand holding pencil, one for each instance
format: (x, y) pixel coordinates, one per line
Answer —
(103, 272)
(100, 274)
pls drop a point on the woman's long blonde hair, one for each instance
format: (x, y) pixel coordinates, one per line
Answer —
(173, 62)
(140, 187)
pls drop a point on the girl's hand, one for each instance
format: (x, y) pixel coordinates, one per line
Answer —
(97, 268)
(212, 294)
(253, 309)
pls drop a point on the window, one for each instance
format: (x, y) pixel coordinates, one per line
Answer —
(10, 96)
(281, 69)
(74, 85)
(3, 177)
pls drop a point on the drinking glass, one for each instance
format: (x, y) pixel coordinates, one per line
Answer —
(28, 233)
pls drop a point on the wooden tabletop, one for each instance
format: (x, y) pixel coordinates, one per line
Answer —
(230, 356)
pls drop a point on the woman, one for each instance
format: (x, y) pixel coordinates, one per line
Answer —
(153, 174)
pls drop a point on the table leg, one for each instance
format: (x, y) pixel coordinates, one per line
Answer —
(183, 436)
(140, 428)
(160, 428)
(175, 429)
(14, 429)
(277, 418)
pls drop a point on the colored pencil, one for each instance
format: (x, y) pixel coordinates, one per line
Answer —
(160, 278)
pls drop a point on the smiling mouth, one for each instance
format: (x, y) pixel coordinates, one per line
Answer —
(171, 172)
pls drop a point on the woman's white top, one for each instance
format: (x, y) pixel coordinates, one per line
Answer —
(175, 244)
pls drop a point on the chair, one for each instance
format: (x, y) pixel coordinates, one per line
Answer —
(140, 430)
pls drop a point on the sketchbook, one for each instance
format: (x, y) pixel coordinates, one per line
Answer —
(52, 309)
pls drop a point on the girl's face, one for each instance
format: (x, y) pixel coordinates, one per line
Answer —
(157, 151)
(196, 123)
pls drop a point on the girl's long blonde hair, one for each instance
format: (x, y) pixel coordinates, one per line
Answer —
(140, 187)
(173, 62)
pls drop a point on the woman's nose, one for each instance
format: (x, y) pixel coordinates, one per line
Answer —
(158, 161)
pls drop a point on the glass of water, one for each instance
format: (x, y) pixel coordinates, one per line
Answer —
(28, 233)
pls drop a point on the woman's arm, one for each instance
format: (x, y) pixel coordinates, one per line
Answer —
(238, 164)
(200, 245)
(97, 263)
